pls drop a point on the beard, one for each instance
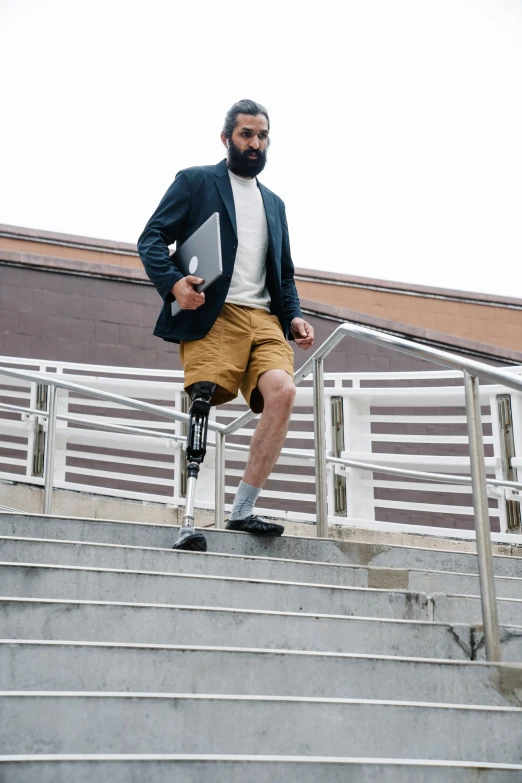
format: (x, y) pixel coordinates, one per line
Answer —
(239, 162)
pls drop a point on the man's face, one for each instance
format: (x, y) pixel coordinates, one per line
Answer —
(247, 147)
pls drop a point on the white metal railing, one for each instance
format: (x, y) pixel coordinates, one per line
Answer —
(74, 427)
(472, 371)
(150, 444)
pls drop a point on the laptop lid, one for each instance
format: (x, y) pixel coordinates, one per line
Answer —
(200, 255)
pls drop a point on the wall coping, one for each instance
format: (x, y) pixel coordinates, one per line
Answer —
(73, 266)
(407, 289)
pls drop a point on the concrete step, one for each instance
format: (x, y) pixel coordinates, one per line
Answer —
(164, 624)
(447, 608)
(78, 553)
(288, 547)
(462, 584)
(180, 723)
(25, 580)
(57, 666)
(241, 769)
(65, 582)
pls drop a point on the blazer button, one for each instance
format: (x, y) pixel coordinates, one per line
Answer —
(234, 248)
(227, 277)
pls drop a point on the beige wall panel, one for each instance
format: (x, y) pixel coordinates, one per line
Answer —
(491, 325)
(61, 251)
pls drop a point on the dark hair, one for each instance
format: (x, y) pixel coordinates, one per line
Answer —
(242, 107)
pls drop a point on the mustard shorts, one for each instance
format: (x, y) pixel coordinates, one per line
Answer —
(243, 343)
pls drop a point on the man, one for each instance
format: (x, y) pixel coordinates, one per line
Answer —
(234, 335)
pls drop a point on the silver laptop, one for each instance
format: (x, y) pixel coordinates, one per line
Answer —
(200, 255)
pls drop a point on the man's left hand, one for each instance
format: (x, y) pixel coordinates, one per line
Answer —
(303, 333)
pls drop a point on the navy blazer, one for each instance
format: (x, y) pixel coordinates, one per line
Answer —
(193, 197)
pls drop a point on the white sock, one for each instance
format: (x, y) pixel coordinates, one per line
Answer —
(245, 500)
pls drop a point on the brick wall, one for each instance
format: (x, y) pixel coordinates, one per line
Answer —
(45, 315)
(75, 318)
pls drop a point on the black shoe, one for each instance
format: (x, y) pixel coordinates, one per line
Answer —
(191, 541)
(255, 525)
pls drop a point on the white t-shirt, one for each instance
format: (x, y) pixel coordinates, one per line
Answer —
(248, 285)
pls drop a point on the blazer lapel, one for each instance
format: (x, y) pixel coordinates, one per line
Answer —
(268, 201)
(225, 191)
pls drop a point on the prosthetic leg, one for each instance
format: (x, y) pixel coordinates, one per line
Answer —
(196, 449)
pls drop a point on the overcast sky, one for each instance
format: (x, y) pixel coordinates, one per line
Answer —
(396, 125)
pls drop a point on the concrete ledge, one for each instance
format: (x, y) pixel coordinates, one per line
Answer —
(237, 769)
(28, 499)
(45, 665)
(95, 267)
(93, 584)
(163, 559)
(291, 547)
(160, 723)
(103, 621)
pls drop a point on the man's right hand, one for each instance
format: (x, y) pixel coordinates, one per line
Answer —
(186, 296)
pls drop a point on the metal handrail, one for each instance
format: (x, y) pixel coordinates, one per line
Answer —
(123, 428)
(55, 381)
(471, 369)
(444, 358)
(442, 478)
(374, 467)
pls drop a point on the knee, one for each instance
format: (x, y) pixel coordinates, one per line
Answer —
(290, 392)
(282, 396)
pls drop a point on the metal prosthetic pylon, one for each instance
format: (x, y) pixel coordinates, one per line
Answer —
(201, 396)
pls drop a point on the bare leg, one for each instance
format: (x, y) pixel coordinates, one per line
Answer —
(278, 390)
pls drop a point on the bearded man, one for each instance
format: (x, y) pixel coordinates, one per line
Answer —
(233, 336)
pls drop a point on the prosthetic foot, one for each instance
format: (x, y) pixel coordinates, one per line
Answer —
(189, 538)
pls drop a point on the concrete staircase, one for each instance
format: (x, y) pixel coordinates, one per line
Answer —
(296, 659)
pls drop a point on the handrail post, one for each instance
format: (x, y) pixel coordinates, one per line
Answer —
(482, 527)
(50, 441)
(320, 450)
(220, 480)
